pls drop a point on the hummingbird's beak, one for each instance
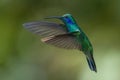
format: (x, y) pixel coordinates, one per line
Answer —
(56, 17)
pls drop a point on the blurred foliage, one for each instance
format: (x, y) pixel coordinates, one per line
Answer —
(24, 57)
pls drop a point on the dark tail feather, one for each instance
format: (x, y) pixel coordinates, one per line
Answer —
(91, 63)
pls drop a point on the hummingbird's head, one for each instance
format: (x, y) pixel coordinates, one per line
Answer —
(67, 15)
(67, 18)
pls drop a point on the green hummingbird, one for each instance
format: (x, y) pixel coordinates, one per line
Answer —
(67, 35)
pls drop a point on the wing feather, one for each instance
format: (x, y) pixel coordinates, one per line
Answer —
(63, 41)
(45, 29)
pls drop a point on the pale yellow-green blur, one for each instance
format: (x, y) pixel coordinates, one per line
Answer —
(24, 57)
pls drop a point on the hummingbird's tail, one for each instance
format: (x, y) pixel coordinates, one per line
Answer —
(91, 63)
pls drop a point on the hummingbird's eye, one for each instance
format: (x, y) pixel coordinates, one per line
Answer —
(66, 16)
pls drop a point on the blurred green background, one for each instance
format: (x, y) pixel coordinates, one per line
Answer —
(24, 57)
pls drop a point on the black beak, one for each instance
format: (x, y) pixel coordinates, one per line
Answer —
(56, 17)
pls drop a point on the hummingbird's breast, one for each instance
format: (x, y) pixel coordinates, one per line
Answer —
(72, 28)
(86, 44)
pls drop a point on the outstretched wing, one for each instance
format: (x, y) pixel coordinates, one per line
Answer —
(66, 41)
(45, 29)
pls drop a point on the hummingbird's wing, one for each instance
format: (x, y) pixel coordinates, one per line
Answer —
(66, 41)
(45, 29)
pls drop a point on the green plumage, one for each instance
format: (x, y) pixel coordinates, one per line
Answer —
(68, 35)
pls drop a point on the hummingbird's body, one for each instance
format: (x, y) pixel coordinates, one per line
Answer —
(68, 35)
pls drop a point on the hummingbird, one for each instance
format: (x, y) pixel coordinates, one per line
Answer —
(66, 35)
